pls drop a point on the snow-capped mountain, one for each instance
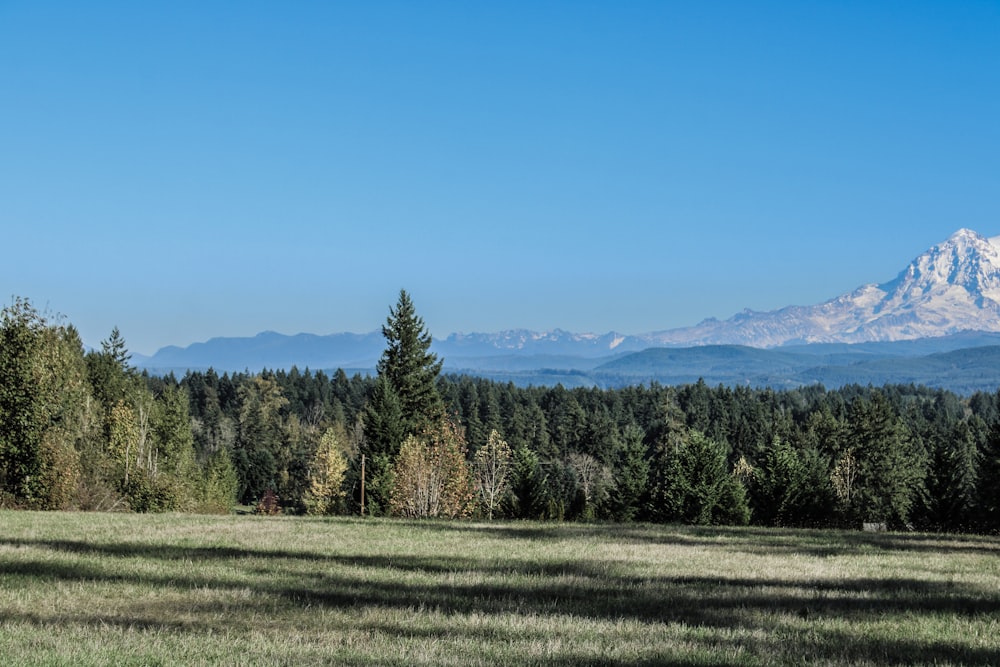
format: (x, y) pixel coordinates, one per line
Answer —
(953, 287)
(524, 341)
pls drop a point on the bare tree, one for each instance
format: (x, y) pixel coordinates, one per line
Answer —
(592, 476)
(492, 468)
(844, 476)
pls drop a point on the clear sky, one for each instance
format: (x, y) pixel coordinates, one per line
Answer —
(186, 170)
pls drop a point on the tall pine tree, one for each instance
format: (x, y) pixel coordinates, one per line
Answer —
(410, 368)
(404, 400)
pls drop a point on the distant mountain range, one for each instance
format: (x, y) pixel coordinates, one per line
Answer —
(923, 327)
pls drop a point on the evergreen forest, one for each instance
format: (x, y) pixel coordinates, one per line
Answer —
(85, 430)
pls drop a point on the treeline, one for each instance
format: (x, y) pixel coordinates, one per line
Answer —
(87, 431)
(903, 455)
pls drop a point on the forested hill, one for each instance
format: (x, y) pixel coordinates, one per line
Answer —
(963, 371)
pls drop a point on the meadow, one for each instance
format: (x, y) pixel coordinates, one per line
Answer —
(114, 589)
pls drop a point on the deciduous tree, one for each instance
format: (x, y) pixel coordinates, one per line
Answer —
(592, 479)
(492, 466)
(431, 476)
(43, 408)
(326, 474)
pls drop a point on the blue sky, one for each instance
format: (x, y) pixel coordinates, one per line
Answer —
(197, 169)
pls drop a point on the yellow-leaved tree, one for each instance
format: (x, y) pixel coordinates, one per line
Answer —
(326, 474)
(431, 476)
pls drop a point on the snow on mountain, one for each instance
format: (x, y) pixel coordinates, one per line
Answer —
(953, 287)
(523, 341)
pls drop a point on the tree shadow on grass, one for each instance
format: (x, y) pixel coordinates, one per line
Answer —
(819, 543)
(591, 588)
(772, 611)
(454, 586)
(780, 647)
(806, 541)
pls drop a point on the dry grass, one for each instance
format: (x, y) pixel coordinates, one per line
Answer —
(133, 589)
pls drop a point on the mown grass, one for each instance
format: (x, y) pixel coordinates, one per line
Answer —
(171, 589)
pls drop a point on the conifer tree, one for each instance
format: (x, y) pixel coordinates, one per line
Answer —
(260, 437)
(891, 464)
(409, 366)
(793, 487)
(385, 427)
(384, 432)
(527, 484)
(219, 484)
(631, 472)
(695, 485)
(174, 449)
(952, 475)
(987, 511)
(404, 401)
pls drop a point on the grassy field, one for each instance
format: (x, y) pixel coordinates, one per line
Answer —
(169, 589)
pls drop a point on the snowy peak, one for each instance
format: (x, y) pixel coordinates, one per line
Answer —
(967, 261)
(523, 341)
(953, 287)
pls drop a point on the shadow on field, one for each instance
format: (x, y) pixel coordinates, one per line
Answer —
(784, 617)
(766, 541)
(809, 542)
(156, 551)
(823, 543)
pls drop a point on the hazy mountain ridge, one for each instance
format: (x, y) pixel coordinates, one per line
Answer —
(963, 370)
(272, 350)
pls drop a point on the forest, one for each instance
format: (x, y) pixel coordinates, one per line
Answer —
(85, 430)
